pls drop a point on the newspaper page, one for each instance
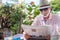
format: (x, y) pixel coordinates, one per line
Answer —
(37, 31)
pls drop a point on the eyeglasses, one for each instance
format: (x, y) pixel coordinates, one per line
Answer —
(44, 9)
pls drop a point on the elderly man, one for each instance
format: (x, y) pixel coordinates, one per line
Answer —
(47, 18)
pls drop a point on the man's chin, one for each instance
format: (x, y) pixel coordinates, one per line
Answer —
(44, 16)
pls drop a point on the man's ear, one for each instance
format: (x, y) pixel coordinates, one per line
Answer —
(49, 8)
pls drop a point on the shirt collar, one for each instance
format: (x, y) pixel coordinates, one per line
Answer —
(48, 19)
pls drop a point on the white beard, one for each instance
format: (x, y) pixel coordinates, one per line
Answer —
(46, 15)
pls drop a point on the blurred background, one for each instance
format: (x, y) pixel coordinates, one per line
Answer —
(13, 13)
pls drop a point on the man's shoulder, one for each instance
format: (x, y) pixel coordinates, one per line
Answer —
(39, 16)
(55, 16)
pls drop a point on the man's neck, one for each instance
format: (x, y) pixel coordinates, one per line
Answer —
(47, 17)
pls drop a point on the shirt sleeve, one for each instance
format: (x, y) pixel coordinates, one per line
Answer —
(58, 20)
(57, 24)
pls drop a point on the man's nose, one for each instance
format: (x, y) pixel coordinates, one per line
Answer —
(43, 10)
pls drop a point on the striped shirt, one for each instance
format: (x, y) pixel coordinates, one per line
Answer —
(53, 21)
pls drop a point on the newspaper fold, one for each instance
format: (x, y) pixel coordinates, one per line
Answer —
(35, 30)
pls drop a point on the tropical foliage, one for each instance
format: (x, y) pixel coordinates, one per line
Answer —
(13, 15)
(55, 4)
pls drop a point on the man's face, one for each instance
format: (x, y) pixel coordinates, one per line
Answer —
(45, 11)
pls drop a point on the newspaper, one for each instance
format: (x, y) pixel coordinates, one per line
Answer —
(35, 30)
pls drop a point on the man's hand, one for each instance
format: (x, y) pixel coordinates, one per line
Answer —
(26, 36)
(59, 29)
(47, 37)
